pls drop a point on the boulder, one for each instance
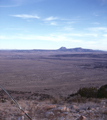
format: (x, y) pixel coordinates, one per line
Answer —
(49, 113)
(81, 118)
(64, 109)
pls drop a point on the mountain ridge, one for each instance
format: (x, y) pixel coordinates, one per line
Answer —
(78, 49)
(63, 49)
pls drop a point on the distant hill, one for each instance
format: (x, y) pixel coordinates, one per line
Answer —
(63, 49)
(79, 49)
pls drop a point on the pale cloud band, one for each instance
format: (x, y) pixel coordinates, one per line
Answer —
(97, 43)
(81, 34)
(51, 37)
(35, 37)
(51, 18)
(26, 16)
(96, 29)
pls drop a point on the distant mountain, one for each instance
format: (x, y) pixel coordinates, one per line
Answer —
(63, 49)
(79, 49)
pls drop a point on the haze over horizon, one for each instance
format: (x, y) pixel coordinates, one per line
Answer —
(50, 24)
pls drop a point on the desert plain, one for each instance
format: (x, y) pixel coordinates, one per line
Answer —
(41, 81)
(52, 72)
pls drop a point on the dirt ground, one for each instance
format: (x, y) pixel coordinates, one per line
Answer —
(52, 72)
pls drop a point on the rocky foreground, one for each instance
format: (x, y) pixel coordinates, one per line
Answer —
(55, 109)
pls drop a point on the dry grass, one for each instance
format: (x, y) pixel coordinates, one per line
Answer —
(33, 74)
(45, 110)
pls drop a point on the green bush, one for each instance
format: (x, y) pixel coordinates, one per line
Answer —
(90, 92)
(102, 92)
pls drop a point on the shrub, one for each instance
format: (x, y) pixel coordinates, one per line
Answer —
(77, 99)
(90, 92)
(102, 92)
(55, 100)
(3, 100)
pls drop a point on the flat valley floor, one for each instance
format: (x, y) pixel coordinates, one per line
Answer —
(52, 72)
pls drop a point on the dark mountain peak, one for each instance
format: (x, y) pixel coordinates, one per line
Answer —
(71, 49)
(63, 48)
(78, 49)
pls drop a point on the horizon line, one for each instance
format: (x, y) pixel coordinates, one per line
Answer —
(56, 49)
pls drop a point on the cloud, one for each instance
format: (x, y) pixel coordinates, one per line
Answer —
(50, 37)
(26, 16)
(95, 43)
(3, 37)
(50, 18)
(53, 23)
(81, 34)
(97, 29)
(43, 38)
(73, 19)
(67, 28)
(13, 28)
(105, 35)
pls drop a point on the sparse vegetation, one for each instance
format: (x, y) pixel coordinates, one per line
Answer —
(46, 110)
(88, 92)
(37, 80)
(102, 92)
(51, 72)
(48, 107)
(91, 92)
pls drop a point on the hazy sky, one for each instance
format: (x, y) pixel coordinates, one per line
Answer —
(51, 24)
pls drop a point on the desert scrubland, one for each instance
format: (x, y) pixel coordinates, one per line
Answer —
(52, 72)
(35, 76)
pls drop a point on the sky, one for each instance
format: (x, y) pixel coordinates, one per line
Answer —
(51, 24)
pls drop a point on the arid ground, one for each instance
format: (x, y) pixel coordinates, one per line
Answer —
(40, 82)
(52, 72)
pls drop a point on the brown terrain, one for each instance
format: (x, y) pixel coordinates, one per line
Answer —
(52, 72)
(38, 74)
